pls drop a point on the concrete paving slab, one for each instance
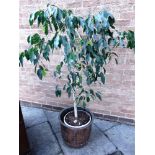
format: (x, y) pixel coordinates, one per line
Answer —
(116, 153)
(40, 134)
(46, 149)
(53, 120)
(98, 145)
(42, 141)
(123, 136)
(33, 116)
(104, 125)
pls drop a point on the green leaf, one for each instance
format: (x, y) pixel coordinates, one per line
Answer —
(29, 39)
(88, 99)
(131, 40)
(56, 41)
(58, 69)
(98, 95)
(51, 43)
(31, 19)
(111, 20)
(46, 51)
(60, 14)
(92, 92)
(54, 22)
(35, 39)
(71, 58)
(44, 72)
(27, 55)
(32, 55)
(45, 28)
(90, 23)
(41, 72)
(78, 66)
(54, 11)
(104, 70)
(66, 45)
(102, 78)
(64, 87)
(49, 9)
(35, 69)
(70, 12)
(21, 56)
(69, 91)
(89, 81)
(58, 91)
(84, 104)
(64, 13)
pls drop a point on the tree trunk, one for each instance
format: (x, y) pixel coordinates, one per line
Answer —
(75, 107)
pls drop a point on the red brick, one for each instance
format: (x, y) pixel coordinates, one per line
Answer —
(127, 111)
(90, 3)
(129, 72)
(74, 4)
(22, 2)
(110, 2)
(127, 15)
(122, 22)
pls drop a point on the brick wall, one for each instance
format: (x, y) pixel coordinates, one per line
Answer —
(118, 92)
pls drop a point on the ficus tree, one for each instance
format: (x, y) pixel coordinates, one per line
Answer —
(87, 45)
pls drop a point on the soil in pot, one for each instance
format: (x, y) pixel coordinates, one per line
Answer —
(83, 118)
(76, 136)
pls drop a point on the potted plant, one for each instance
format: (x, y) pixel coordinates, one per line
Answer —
(87, 45)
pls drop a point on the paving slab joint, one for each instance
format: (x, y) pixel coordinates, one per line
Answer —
(107, 128)
(61, 150)
(116, 153)
(107, 135)
(35, 125)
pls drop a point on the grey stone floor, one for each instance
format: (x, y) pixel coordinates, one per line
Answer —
(107, 138)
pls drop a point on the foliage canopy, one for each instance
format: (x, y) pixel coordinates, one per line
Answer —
(87, 43)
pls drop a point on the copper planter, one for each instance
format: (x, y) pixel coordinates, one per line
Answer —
(75, 137)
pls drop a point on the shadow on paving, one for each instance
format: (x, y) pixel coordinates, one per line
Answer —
(107, 138)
